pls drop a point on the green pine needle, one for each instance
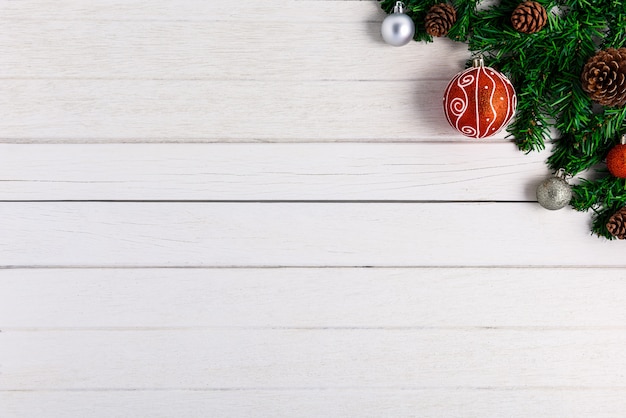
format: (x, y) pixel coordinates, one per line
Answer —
(545, 69)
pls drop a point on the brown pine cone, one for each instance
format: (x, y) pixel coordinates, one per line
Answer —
(440, 19)
(529, 17)
(617, 224)
(604, 77)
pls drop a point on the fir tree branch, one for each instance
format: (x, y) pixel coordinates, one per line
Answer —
(545, 68)
(466, 13)
(604, 196)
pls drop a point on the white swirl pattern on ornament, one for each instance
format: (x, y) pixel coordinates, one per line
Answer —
(469, 131)
(510, 98)
(458, 106)
(493, 109)
(466, 80)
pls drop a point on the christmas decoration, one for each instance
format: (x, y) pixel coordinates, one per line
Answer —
(566, 94)
(440, 19)
(479, 101)
(617, 224)
(554, 193)
(398, 29)
(616, 159)
(529, 17)
(604, 77)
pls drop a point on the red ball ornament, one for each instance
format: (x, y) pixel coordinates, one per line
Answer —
(479, 101)
(616, 159)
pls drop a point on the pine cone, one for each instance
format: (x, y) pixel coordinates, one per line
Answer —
(617, 224)
(440, 19)
(604, 77)
(529, 17)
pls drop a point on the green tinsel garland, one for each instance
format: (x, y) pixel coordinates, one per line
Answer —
(545, 68)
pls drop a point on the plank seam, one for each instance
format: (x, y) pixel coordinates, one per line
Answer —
(312, 267)
(524, 329)
(325, 388)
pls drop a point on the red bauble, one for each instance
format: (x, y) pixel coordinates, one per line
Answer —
(479, 101)
(616, 161)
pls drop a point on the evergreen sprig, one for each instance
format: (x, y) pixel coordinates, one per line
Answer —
(604, 197)
(545, 68)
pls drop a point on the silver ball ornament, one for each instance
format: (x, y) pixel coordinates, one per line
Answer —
(397, 29)
(554, 193)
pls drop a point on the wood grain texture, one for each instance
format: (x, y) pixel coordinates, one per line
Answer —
(222, 114)
(220, 111)
(232, 49)
(547, 299)
(294, 403)
(298, 234)
(192, 10)
(140, 73)
(340, 172)
(278, 359)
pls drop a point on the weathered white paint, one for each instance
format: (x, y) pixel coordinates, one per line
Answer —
(298, 234)
(192, 10)
(546, 299)
(315, 403)
(182, 49)
(218, 79)
(413, 172)
(286, 80)
(70, 110)
(280, 359)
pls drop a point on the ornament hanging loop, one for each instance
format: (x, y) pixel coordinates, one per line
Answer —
(479, 61)
(562, 174)
(399, 7)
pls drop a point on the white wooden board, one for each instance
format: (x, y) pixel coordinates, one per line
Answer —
(162, 161)
(549, 300)
(311, 359)
(298, 234)
(175, 49)
(193, 10)
(164, 75)
(131, 344)
(222, 111)
(375, 403)
(340, 172)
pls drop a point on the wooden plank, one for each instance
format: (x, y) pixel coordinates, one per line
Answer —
(119, 72)
(313, 298)
(338, 171)
(191, 10)
(229, 111)
(218, 50)
(381, 402)
(298, 234)
(323, 359)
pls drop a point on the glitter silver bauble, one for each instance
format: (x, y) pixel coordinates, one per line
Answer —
(397, 28)
(554, 193)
